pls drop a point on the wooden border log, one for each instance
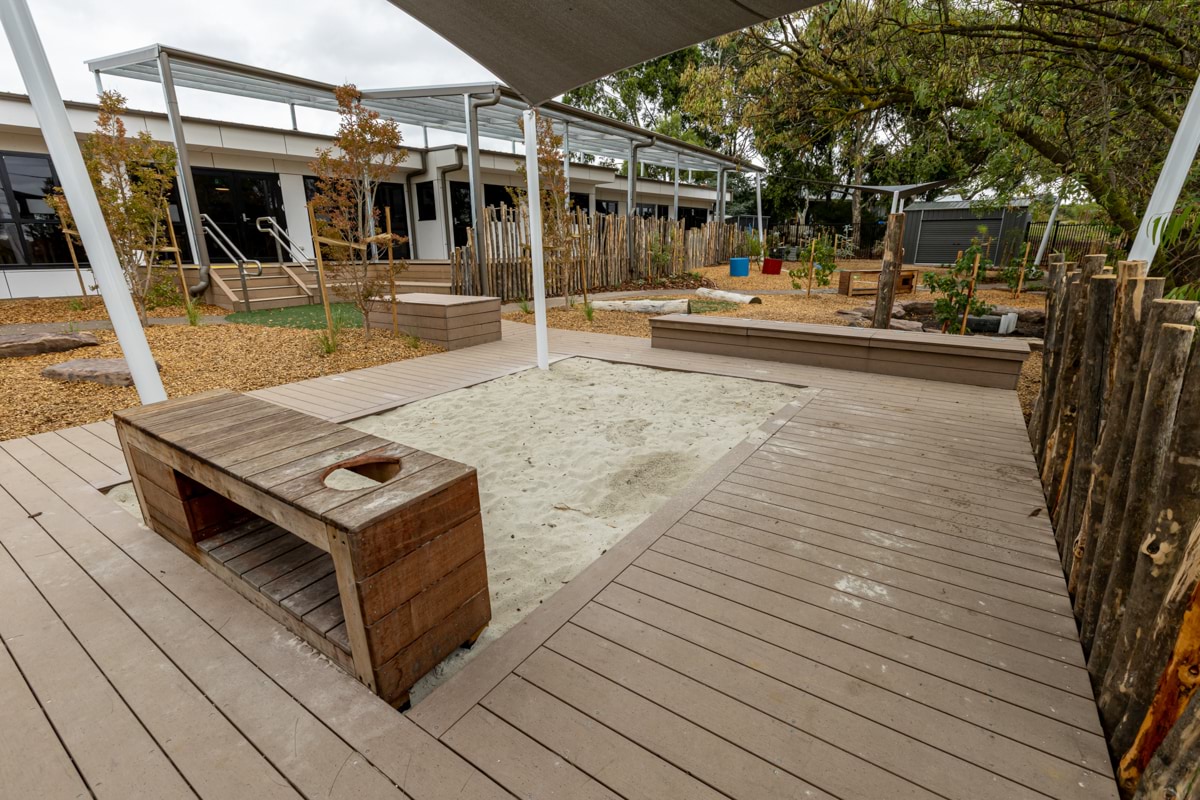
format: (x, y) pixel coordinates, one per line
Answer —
(1151, 440)
(643, 306)
(1167, 570)
(1055, 282)
(885, 293)
(1060, 427)
(1062, 302)
(1167, 747)
(1111, 510)
(728, 297)
(1102, 294)
(1138, 302)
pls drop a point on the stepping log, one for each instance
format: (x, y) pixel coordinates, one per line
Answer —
(643, 306)
(729, 297)
(18, 345)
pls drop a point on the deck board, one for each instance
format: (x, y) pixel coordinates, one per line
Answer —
(862, 599)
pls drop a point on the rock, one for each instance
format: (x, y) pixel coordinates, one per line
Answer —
(849, 314)
(105, 371)
(906, 325)
(918, 308)
(31, 344)
(1028, 315)
(861, 322)
(869, 311)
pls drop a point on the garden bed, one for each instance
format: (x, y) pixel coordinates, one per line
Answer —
(238, 357)
(44, 310)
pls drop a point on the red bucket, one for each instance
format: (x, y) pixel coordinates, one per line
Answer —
(772, 266)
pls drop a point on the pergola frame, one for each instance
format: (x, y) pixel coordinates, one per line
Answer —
(489, 109)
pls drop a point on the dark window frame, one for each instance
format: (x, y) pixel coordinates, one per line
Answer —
(10, 216)
(426, 201)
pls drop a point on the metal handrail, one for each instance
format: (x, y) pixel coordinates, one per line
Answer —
(282, 239)
(232, 253)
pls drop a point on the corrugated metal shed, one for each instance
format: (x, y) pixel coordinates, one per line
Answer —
(934, 232)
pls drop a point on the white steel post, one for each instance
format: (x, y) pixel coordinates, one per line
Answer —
(1041, 253)
(1170, 181)
(189, 204)
(567, 160)
(533, 194)
(758, 201)
(675, 200)
(89, 221)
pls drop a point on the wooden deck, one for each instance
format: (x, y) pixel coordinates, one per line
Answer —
(861, 600)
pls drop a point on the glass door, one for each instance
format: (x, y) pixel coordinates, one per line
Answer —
(235, 199)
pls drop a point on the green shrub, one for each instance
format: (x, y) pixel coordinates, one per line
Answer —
(824, 263)
(950, 290)
(588, 311)
(163, 291)
(1011, 274)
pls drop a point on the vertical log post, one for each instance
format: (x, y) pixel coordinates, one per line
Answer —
(1167, 318)
(962, 329)
(1098, 328)
(1024, 266)
(885, 292)
(1069, 337)
(1168, 743)
(1055, 284)
(1162, 573)
(1139, 296)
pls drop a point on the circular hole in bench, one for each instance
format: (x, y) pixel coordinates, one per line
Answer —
(361, 473)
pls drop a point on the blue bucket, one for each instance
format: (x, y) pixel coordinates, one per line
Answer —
(739, 267)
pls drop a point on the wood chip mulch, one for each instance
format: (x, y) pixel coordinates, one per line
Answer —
(238, 357)
(36, 311)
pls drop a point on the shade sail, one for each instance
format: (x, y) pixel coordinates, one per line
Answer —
(542, 48)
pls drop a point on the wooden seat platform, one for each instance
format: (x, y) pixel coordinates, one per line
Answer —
(449, 321)
(385, 579)
(974, 360)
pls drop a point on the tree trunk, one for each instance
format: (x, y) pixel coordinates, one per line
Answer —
(1151, 439)
(885, 295)
(1167, 748)
(1138, 300)
(1168, 563)
(1101, 295)
(729, 297)
(1112, 505)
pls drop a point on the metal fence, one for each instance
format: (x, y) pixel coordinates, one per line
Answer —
(1076, 239)
(853, 241)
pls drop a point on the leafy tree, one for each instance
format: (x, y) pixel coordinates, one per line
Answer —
(1004, 95)
(132, 177)
(366, 151)
(953, 293)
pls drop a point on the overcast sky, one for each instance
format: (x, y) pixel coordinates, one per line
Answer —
(370, 43)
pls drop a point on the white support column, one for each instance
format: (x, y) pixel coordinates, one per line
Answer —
(99, 83)
(758, 202)
(292, 109)
(1041, 253)
(675, 197)
(1170, 181)
(189, 205)
(533, 194)
(473, 177)
(567, 159)
(895, 202)
(89, 221)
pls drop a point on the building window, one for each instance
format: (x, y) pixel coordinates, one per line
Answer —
(693, 217)
(389, 196)
(426, 202)
(607, 206)
(580, 200)
(30, 234)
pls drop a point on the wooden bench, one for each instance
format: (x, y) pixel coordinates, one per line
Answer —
(906, 281)
(450, 321)
(386, 580)
(975, 360)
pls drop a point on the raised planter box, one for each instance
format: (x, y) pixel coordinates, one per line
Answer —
(450, 321)
(973, 360)
(386, 580)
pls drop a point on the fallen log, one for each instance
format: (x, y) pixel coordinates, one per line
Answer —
(642, 306)
(728, 297)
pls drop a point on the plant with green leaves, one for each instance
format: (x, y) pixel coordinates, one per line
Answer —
(1011, 274)
(523, 304)
(953, 294)
(132, 177)
(588, 311)
(192, 309)
(824, 264)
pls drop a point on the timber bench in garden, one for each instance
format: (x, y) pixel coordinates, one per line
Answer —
(386, 579)
(906, 281)
(450, 321)
(973, 360)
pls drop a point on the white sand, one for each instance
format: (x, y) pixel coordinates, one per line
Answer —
(571, 460)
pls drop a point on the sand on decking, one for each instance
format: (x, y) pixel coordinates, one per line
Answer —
(572, 459)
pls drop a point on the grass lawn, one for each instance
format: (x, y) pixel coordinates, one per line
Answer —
(311, 317)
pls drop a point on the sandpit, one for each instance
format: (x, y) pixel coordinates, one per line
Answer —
(570, 461)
